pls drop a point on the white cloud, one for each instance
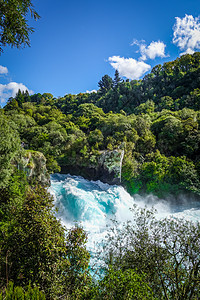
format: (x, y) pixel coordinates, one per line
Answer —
(90, 92)
(11, 89)
(129, 67)
(155, 49)
(3, 70)
(187, 34)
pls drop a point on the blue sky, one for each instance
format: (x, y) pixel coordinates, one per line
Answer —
(76, 43)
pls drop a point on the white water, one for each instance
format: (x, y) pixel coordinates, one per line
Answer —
(94, 204)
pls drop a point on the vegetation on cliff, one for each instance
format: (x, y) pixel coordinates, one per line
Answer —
(155, 123)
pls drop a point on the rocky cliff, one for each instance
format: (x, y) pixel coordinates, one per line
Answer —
(106, 166)
(33, 163)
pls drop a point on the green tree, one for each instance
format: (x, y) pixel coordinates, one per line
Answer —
(121, 285)
(23, 122)
(32, 243)
(77, 280)
(192, 100)
(9, 147)
(166, 251)
(162, 175)
(17, 292)
(19, 98)
(166, 103)
(95, 136)
(14, 29)
(105, 84)
(117, 79)
(35, 247)
(147, 107)
(11, 104)
(177, 134)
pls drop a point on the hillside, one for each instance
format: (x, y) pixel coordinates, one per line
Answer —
(155, 121)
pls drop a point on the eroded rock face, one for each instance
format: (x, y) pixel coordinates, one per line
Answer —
(33, 163)
(111, 162)
(106, 166)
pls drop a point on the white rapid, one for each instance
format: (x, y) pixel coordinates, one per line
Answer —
(94, 204)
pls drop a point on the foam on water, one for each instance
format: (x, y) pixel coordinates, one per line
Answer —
(94, 204)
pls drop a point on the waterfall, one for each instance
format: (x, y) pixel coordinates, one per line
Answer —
(121, 160)
(94, 204)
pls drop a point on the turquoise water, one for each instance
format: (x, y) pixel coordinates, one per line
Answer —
(94, 204)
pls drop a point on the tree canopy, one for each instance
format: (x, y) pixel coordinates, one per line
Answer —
(154, 120)
(14, 28)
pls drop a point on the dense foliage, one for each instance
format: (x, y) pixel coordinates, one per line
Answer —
(35, 248)
(155, 120)
(17, 292)
(9, 146)
(166, 251)
(14, 28)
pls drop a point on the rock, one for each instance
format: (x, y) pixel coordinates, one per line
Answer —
(111, 162)
(106, 166)
(33, 163)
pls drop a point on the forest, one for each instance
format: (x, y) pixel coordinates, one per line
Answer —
(156, 122)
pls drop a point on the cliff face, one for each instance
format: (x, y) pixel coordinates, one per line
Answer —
(111, 162)
(105, 167)
(33, 163)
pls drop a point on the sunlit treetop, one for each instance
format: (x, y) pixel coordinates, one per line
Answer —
(14, 28)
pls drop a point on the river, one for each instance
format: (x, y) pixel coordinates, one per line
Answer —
(94, 204)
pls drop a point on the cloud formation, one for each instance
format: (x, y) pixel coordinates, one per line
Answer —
(155, 49)
(3, 70)
(187, 34)
(129, 67)
(11, 89)
(90, 92)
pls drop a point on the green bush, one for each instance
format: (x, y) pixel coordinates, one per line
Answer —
(18, 293)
